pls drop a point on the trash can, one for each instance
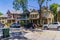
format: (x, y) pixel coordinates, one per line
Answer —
(5, 32)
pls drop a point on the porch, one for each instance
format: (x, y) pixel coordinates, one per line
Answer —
(47, 20)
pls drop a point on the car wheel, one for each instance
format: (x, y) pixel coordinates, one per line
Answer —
(45, 28)
(58, 28)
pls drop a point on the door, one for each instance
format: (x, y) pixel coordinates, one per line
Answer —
(50, 25)
(55, 25)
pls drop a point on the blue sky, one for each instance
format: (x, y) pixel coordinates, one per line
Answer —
(7, 5)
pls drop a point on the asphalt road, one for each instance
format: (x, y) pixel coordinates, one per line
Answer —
(37, 34)
(14, 34)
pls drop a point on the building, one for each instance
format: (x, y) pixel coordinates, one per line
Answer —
(58, 15)
(17, 16)
(47, 15)
(28, 16)
(3, 19)
(34, 16)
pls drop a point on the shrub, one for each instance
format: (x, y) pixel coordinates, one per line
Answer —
(22, 22)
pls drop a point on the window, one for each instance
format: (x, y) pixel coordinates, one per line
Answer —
(54, 23)
(33, 15)
(0, 18)
(9, 21)
(2, 21)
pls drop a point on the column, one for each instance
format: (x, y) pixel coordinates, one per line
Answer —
(51, 20)
(47, 20)
(32, 21)
(37, 21)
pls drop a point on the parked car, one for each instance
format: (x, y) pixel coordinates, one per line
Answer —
(29, 25)
(15, 25)
(52, 25)
(2, 25)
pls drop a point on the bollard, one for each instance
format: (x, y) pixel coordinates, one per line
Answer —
(5, 32)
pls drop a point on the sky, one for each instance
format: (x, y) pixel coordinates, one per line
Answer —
(6, 5)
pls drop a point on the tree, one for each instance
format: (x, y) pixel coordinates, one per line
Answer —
(1, 13)
(17, 4)
(47, 2)
(40, 2)
(53, 7)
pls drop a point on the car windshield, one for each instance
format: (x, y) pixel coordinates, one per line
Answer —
(54, 23)
(15, 24)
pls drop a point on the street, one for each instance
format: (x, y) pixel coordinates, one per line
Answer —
(15, 33)
(36, 34)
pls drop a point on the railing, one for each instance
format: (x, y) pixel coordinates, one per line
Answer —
(22, 18)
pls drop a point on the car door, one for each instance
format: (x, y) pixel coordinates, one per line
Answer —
(50, 25)
(55, 25)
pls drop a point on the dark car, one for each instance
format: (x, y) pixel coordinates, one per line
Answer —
(2, 25)
(15, 25)
(29, 25)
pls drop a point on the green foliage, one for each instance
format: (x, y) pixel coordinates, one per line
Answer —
(22, 23)
(1, 13)
(17, 4)
(53, 7)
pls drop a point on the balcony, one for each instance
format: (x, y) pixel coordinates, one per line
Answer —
(34, 17)
(21, 18)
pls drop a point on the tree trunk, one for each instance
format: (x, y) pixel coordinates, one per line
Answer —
(40, 16)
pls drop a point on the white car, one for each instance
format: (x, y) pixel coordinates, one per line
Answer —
(52, 25)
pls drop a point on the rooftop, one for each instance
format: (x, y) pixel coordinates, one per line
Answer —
(15, 12)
